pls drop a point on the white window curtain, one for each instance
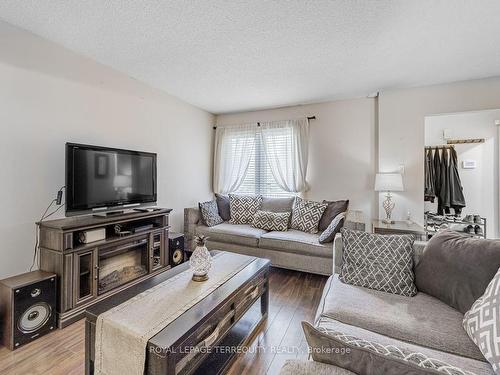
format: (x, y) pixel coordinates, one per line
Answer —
(286, 146)
(234, 147)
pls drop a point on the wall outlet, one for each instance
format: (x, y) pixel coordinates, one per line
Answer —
(401, 169)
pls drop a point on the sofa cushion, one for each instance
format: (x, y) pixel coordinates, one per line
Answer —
(223, 206)
(277, 204)
(241, 234)
(306, 215)
(210, 213)
(417, 352)
(482, 323)
(243, 208)
(332, 210)
(380, 262)
(422, 319)
(271, 220)
(457, 269)
(296, 241)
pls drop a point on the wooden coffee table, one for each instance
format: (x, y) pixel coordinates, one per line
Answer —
(205, 339)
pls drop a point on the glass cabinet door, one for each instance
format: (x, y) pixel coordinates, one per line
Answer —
(84, 276)
(156, 248)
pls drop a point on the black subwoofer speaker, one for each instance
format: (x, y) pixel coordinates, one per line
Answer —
(28, 307)
(176, 249)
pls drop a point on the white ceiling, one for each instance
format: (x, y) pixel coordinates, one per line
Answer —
(234, 55)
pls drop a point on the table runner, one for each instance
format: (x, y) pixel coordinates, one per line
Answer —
(122, 333)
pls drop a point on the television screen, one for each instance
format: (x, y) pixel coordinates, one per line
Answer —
(105, 177)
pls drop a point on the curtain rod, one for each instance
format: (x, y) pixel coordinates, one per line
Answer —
(258, 124)
(440, 146)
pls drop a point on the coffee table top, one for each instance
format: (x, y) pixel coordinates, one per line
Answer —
(192, 316)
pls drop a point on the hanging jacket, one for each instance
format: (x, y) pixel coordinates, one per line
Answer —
(444, 190)
(457, 199)
(429, 188)
(437, 179)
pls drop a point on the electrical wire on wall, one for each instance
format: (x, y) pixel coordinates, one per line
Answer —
(45, 215)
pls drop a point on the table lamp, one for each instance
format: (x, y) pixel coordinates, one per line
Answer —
(388, 182)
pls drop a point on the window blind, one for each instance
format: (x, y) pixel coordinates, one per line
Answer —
(259, 178)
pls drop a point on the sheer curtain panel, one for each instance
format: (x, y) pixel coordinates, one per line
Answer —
(234, 147)
(286, 146)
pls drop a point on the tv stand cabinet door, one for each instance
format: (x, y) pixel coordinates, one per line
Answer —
(158, 253)
(85, 276)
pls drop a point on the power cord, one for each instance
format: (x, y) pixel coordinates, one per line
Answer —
(57, 201)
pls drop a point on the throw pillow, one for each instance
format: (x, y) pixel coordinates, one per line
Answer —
(273, 221)
(365, 357)
(329, 234)
(243, 208)
(223, 205)
(277, 204)
(456, 268)
(306, 215)
(380, 262)
(334, 208)
(210, 213)
(482, 323)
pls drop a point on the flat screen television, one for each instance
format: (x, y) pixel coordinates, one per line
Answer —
(103, 178)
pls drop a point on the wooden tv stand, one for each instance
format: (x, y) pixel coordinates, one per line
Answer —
(89, 273)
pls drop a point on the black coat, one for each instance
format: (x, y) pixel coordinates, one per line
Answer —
(429, 189)
(457, 199)
(444, 191)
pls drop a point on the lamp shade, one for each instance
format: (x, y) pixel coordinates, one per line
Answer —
(389, 182)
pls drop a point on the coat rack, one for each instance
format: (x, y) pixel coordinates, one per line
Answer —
(438, 147)
(464, 141)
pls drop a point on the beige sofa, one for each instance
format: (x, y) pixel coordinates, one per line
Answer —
(292, 249)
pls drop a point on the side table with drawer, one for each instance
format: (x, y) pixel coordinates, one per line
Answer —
(399, 227)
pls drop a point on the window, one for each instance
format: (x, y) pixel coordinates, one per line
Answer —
(268, 158)
(259, 178)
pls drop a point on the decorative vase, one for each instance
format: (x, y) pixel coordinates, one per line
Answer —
(201, 260)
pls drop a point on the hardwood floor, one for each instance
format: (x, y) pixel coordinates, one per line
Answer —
(294, 297)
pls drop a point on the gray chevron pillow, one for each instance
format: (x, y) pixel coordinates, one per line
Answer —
(380, 262)
(243, 208)
(482, 323)
(306, 215)
(273, 221)
(329, 233)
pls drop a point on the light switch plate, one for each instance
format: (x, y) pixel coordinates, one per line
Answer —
(469, 164)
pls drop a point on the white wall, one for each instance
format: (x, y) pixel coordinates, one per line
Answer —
(342, 157)
(401, 130)
(480, 185)
(48, 96)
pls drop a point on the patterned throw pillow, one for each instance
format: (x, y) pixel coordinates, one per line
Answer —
(210, 213)
(380, 262)
(243, 208)
(369, 357)
(482, 323)
(273, 221)
(329, 234)
(306, 215)
(334, 208)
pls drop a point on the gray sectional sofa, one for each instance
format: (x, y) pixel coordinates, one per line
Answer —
(422, 325)
(293, 249)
